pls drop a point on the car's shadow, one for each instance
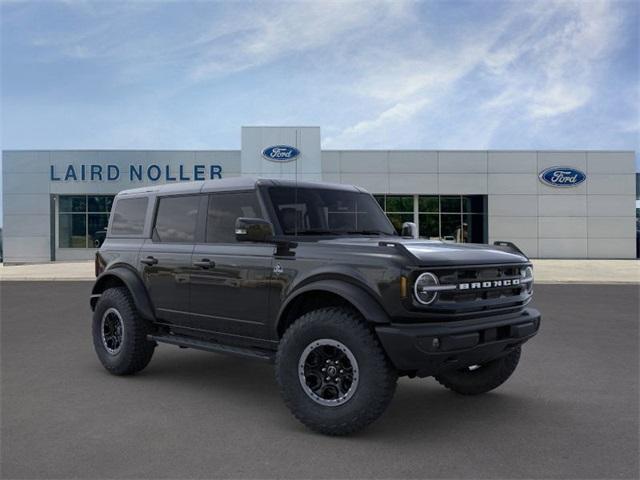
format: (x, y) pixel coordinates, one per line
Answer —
(420, 406)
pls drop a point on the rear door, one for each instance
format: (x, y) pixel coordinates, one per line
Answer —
(230, 280)
(166, 257)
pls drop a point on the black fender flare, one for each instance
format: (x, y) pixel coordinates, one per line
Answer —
(362, 300)
(132, 281)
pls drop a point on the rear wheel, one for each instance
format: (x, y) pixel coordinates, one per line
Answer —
(120, 334)
(332, 372)
(483, 378)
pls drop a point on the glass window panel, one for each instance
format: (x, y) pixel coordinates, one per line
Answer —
(474, 204)
(380, 200)
(176, 219)
(429, 226)
(475, 226)
(397, 219)
(97, 229)
(451, 229)
(72, 203)
(309, 211)
(100, 203)
(224, 210)
(72, 229)
(399, 204)
(129, 216)
(428, 204)
(450, 204)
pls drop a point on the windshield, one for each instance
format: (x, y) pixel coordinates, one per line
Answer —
(317, 211)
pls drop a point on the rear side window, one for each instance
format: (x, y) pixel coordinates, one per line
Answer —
(176, 219)
(224, 209)
(128, 216)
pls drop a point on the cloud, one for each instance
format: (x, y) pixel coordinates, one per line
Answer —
(550, 68)
(539, 60)
(395, 74)
(294, 27)
(229, 38)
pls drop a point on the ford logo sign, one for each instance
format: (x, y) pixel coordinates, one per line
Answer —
(562, 177)
(281, 153)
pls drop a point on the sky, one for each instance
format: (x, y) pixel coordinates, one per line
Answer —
(395, 75)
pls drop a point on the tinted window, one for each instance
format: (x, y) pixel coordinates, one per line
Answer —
(224, 209)
(128, 216)
(176, 219)
(317, 211)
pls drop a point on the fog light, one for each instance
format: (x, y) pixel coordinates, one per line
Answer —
(435, 343)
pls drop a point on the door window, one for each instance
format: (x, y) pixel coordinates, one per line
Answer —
(224, 209)
(176, 219)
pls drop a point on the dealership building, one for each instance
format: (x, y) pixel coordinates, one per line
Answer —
(551, 204)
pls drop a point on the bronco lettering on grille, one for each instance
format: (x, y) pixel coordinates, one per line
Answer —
(510, 282)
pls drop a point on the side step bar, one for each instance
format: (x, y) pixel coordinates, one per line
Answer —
(188, 342)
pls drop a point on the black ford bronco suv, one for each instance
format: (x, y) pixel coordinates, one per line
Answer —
(314, 278)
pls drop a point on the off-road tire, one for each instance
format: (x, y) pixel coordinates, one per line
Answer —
(377, 377)
(136, 351)
(484, 379)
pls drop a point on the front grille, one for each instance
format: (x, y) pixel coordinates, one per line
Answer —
(483, 290)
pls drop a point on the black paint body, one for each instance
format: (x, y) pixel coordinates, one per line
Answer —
(246, 294)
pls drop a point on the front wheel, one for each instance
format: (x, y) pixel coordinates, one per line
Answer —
(332, 372)
(479, 379)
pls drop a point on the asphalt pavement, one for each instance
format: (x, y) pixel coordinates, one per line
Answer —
(569, 411)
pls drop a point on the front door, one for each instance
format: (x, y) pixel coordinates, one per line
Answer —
(166, 258)
(230, 281)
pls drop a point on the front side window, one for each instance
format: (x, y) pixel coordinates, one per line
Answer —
(224, 209)
(317, 211)
(82, 220)
(176, 219)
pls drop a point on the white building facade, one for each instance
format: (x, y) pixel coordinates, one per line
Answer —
(552, 204)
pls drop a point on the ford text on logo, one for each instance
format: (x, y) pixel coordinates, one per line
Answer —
(280, 153)
(562, 177)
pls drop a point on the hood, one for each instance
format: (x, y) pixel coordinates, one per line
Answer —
(437, 253)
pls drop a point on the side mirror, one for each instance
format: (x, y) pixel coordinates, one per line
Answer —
(409, 229)
(253, 230)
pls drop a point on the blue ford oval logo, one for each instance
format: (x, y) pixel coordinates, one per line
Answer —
(562, 177)
(280, 153)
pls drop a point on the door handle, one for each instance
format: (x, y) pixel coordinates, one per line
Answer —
(204, 263)
(149, 260)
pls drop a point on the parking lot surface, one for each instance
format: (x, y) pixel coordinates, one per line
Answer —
(569, 411)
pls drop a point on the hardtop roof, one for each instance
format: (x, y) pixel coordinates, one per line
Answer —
(230, 184)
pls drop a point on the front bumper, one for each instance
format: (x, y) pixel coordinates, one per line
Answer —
(429, 348)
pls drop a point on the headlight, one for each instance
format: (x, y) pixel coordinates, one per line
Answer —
(426, 288)
(527, 278)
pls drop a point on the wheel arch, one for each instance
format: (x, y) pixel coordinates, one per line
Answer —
(327, 293)
(122, 276)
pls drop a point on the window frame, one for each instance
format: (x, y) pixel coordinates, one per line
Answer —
(59, 213)
(418, 213)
